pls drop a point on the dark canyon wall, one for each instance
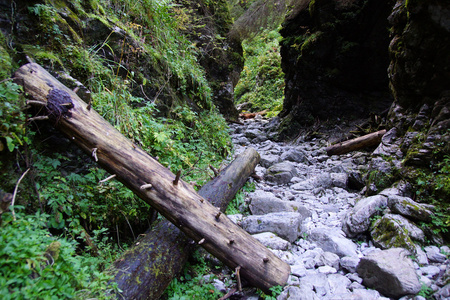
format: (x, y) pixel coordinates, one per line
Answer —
(419, 76)
(335, 56)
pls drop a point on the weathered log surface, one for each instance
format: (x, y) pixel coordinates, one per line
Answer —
(361, 142)
(179, 203)
(145, 270)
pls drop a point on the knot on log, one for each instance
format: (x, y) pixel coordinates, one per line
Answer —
(59, 104)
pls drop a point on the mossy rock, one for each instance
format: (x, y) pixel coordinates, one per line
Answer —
(395, 231)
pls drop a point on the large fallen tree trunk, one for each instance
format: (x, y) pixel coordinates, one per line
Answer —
(145, 271)
(152, 182)
(361, 142)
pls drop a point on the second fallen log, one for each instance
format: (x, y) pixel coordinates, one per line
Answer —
(152, 182)
(146, 269)
(361, 142)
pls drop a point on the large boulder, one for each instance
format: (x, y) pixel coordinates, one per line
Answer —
(409, 208)
(287, 225)
(390, 272)
(358, 219)
(281, 173)
(395, 231)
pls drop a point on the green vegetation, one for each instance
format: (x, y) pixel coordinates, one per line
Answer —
(195, 283)
(145, 79)
(238, 205)
(262, 80)
(433, 186)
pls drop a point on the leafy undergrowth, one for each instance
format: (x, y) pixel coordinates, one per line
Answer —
(262, 81)
(61, 202)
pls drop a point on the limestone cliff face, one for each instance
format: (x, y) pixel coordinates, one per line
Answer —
(335, 56)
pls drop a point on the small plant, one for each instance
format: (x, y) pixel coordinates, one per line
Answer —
(12, 119)
(426, 291)
(274, 292)
(237, 205)
(194, 283)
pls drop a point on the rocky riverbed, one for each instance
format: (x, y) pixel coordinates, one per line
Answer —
(308, 205)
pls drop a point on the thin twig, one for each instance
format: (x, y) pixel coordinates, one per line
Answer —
(238, 278)
(38, 118)
(131, 228)
(7, 79)
(107, 178)
(216, 173)
(15, 193)
(36, 102)
(229, 294)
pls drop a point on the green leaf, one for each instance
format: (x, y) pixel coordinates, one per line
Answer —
(10, 144)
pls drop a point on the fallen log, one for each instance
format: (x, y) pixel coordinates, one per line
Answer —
(361, 142)
(145, 270)
(167, 193)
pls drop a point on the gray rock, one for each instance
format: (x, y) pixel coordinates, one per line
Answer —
(395, 231)
(339, 180)
(243, 141)
(349, 263)
(322, 180)
(281, 173)
(285, 256)
(298, 293)
(268, 160)
(362, 294)
(298, 270)
(272, 241)
(354, 277)
(312, 258)
(330, 259)
(262, 205)
(430, 271)
(434, 254)
(219, 285)
(355, 286)
(390, 272)
(358, 219)
(295, 155)
(253, 133)
(421, 256)
(338, 283)
(303, 186)
(318, 282)
(326, 270)
(409, 208)
(333, 240)
(286, 225)
(443, 293)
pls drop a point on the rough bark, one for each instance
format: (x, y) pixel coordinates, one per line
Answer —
(173, 198)
(145, 271)
(361, 142)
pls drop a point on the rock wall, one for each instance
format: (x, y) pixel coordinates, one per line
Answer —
(419, 74)
(335, 56)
